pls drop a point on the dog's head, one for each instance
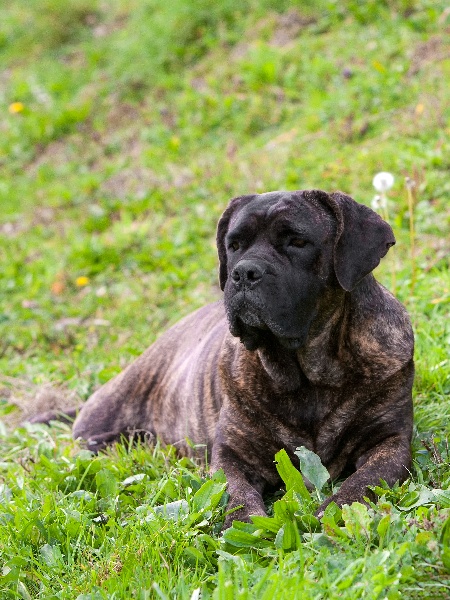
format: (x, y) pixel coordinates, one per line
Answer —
(280, 251)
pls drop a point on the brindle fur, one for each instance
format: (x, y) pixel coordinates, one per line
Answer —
(341, 385)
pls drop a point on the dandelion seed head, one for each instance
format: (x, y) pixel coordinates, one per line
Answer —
(383, 182)
(379, 202)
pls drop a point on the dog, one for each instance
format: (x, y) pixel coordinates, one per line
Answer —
(306, 349)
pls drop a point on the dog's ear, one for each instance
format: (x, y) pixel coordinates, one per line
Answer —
(362, 239)
(222, 229)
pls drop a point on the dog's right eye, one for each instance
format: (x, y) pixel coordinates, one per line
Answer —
(234, 246)
(298, 242)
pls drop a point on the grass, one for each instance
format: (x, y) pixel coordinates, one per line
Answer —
(138, 121)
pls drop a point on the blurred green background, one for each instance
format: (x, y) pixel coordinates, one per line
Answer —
(125, 128)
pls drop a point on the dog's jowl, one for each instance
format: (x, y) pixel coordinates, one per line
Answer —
(306, 349)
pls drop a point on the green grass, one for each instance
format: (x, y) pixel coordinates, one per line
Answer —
(140, 120)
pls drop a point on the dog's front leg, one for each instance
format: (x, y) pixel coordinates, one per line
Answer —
(389, 460)
(245, 487)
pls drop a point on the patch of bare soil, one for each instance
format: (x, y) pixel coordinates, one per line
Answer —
(56, 153)
(289, 26)
(432, 51)
(280, 30)
(131, 181)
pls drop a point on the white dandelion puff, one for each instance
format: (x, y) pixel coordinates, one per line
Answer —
(379, 202)
(383, 181)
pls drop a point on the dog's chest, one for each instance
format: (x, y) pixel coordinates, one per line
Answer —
(317, 418)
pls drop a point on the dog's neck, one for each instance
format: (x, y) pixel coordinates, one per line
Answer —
(320, 360)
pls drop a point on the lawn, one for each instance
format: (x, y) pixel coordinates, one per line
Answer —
(126, 127)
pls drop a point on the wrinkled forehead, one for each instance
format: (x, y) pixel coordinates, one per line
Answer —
(300, 210)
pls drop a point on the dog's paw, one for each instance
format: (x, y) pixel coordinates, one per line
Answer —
(243, 509)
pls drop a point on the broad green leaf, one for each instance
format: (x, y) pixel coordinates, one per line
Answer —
(287, 536)
(330, 519)
(307, 522)
(242, 539)
(106, 483)
(291, 536)
(357, 519)
(74, 522)
(418, 498)
(219, 476)
(193, 556)
(25, 594)
(247, 527)
(445, 556)
(52, 556)
(172, 511)
(133, 479)
(442, 497)
(237, 560)
(333, 511)
(292, 478)
(285, 508)
(279, 538)
(208, 496)
(271, 524)
(409, 499)
(445, 532)
(383, 526)
(168, 489)
(312, 468)
(5, 493)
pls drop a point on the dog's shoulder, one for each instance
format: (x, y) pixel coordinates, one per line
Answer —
(380, 332)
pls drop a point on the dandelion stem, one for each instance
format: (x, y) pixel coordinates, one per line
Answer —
(382, 182)
(385, 215)
(409, 191)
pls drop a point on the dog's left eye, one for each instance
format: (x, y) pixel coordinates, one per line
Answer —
(234, 246)
(297, 243)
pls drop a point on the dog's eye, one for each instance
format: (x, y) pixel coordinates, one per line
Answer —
(234, 246)
(298, 242)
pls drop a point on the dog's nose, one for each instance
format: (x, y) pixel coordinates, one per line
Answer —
(247, 273)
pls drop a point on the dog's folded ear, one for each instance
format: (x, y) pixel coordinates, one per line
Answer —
(222, 229)
(362, 239)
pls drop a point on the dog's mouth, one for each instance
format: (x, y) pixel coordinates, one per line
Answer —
(249, 317)
(250, 335)
(254, 333)
(246, 323)
(244, 313)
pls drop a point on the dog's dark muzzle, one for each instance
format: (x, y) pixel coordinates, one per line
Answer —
(247, 274)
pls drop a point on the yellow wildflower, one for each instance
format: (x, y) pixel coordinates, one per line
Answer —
(81, 281)
(16, 107)
(378, 66)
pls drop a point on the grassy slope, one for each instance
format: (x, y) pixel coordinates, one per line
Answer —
(139, 122)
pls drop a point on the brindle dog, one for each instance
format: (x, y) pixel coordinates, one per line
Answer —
(307, 349)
